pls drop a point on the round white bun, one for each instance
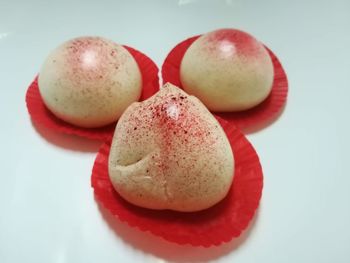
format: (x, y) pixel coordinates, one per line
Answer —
(228, 70)
(89, 81)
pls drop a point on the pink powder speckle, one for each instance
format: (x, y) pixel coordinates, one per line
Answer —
(176, 125)
(90, 59)
(241, 43)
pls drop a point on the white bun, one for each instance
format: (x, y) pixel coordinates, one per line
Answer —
(169, 152)
(89, 81)
(228, 70)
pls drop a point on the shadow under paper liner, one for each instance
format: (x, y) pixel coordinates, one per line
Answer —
(67, 141)
(169, 251)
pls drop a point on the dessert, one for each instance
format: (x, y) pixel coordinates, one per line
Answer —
(169, 152)
(228, 70)
(89, 81)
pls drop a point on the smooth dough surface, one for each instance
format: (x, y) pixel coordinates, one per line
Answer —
(169, 152)
(89, 81)
(228, 70)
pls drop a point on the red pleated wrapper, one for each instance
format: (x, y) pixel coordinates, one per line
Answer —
(213, 226)
(263, 113)
(41, 115)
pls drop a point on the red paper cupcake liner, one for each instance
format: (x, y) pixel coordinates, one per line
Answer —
(213, 226)
(263, 113)
(41, 115)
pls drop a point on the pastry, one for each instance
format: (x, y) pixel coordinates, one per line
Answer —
(169, 152)
(228, 70)
(89, 81)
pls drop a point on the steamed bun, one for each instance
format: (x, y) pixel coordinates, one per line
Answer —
(228, 70)
(169, 152)
(89, 81)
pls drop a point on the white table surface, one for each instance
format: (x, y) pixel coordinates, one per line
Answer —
(48, 211)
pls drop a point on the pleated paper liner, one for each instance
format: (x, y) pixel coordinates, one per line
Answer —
(255, 117)
(213, 226)
(41, 115)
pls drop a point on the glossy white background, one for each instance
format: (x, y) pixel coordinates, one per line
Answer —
(48, 211)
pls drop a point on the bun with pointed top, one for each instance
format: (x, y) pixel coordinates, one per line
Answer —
(169, 152)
